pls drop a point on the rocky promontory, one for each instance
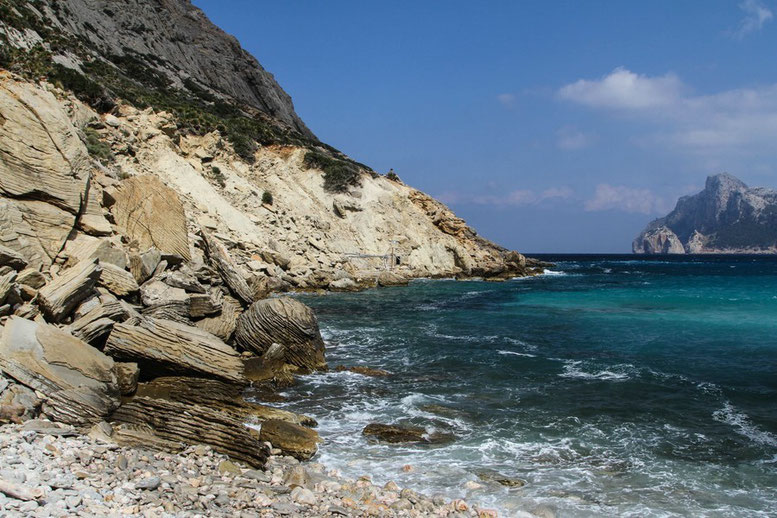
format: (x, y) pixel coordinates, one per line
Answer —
(726, 217)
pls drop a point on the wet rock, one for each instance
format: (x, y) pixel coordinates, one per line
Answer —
(488, 475)
(392, 279)
(298, 441)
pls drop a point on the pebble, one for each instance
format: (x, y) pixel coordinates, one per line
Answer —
(82, 475)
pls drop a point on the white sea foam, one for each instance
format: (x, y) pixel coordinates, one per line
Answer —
(553, 273)
(572, 369)
(515, 353)
(741, 422)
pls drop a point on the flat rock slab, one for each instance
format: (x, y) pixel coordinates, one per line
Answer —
(78, 381)
(163, 347)
(150, 213)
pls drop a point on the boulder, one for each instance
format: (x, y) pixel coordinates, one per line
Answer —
(232, 275)
(157, 292)
(177, 422)
(118, 281)
(223, 325)
(285, 321)
(488, 475)
(204, 304)
(11, 258)
(151, 214)
(345, 284)
(96, 323)
(163, 347)
(61, 296)
(32, 278)
(392, 279)
(79, 381)
(292, 439)
(6, 285)
(143, 265)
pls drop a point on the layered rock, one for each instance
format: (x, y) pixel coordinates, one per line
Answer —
(79, 381)
(726, 217)
(168, 347)
(177, 422)
(287, 322)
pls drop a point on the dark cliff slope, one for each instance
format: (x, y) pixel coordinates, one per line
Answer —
(177, 38)
(726, 217)
(165, 54)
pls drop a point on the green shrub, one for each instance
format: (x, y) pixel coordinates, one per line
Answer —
(82, 87)
(393, 176)
(218, 176)
(339, 175)
(96, 147)
(267, 198)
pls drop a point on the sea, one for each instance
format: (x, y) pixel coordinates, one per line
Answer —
(609, 385)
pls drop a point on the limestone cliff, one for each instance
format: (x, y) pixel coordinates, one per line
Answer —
(726, 217)
(97, 93)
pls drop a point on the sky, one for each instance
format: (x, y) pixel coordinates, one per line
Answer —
(550, 126)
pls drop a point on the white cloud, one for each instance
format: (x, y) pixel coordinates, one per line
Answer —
(507, 100)
(570, 138)
(727, 123)
(623, 89)
(515, 198)
(626, 199)
(756, 15)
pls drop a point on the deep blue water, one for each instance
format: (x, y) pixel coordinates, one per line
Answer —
(613, 385)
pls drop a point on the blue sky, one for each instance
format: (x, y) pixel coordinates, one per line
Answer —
(548, 126)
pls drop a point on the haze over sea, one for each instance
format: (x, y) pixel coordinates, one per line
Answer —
(613, 385)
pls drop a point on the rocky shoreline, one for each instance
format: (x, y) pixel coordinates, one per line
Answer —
(51, 470)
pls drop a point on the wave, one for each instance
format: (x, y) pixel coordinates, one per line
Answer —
(741, 422)
(514, 353)
(572, 370)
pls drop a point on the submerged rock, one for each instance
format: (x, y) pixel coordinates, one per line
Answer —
(405, 434)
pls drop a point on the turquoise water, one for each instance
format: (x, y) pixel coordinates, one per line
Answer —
(613, 385)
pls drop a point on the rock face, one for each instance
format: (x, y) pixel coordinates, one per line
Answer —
(726, 217)
(287, 322)
(151, 214)
(183, 44)
(78, 381)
